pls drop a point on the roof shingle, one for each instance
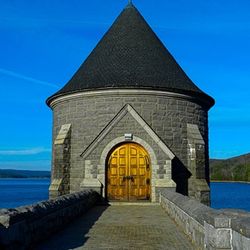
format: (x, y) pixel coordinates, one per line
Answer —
(129, 56)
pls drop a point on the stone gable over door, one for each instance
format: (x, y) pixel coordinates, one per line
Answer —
(127, 121)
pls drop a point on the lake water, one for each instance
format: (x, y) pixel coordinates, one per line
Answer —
(230, 195)
(18, 192)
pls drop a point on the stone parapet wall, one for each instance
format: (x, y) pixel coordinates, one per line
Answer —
(208, 228)
(22, 227)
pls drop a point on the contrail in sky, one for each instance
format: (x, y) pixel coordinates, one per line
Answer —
(32, 151)
(27, 78)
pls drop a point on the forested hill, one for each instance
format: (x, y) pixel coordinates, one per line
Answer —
(232, 169)
(11, 173)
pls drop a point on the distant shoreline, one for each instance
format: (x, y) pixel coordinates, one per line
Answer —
(24, 174)
(216, 181)
(25, 177)
(247, 182)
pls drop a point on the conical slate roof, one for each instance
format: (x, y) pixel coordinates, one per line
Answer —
(130, 56)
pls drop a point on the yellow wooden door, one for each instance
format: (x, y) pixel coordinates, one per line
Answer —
(128, 173)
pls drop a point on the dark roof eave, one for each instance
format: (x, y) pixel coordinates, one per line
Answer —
(201, 97)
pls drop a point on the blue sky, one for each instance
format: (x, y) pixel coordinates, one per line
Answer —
(42, 44)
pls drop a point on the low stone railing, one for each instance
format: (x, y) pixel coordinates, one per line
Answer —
(22, 227)
(208, 228)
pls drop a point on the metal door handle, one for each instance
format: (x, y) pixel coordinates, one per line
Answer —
(125, 178)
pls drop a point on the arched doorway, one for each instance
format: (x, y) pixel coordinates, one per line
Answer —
(128, 173)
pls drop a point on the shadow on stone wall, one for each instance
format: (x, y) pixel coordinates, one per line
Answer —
(180, 175)
(75, 235)
(23, 227)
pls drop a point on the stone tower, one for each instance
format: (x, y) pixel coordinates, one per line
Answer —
(130, 122)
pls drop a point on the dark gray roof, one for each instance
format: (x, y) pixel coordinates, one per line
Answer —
(129, 56)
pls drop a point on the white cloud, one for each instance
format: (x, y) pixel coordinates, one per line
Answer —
(32, 151)
(27, 78)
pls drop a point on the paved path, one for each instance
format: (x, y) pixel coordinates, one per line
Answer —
(121, 227)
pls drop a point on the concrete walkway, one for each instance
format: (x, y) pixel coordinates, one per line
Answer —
(121, 227)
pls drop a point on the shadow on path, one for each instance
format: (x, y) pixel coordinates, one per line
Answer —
(121, 227)
(74, 235)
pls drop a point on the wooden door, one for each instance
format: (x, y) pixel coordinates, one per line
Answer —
(128, 177)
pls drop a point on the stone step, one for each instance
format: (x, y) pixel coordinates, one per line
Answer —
(142, 203)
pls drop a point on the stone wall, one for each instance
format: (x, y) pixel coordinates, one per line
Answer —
(22, 227)
(166, 113)
(208, 228)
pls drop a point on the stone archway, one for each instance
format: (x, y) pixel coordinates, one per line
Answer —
(119, 140)
(161, 164)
